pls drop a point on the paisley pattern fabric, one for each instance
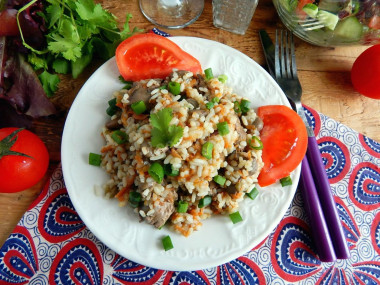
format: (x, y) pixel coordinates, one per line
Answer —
(51, 245)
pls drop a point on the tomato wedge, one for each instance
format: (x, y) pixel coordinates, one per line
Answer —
(284, 139)
(149, 55)
(300, 13)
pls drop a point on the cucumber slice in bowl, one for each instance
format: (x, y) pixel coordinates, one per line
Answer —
(329, 20)
(311, 10)
(349, 29)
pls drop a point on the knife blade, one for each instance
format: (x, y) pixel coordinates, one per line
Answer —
(327, 229)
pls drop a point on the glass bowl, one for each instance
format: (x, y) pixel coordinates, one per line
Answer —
(332, 22)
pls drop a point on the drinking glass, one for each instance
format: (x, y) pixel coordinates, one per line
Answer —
(233, 16)
(172, 14)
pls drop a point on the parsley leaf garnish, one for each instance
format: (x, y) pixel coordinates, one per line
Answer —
(162, 133)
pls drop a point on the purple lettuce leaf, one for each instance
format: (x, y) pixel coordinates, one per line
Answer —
(20, 86)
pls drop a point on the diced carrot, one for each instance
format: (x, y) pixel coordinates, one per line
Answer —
(140, 117)
(193, 82)
(121, 194)
(250, 127)
(106, 148)
(236, 195)
(138, 158)
(175, 153)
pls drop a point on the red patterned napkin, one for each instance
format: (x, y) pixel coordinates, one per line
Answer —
(51, 245)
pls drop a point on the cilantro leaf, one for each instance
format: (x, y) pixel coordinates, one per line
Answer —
(79, 65)
(161, 119)
(95, 14)
(162, 133)
(36, 61)
(49, 82)
(126, 32)
(61, 65)
(54, 13)
(66, 41)
(175, 134)
(157, 140)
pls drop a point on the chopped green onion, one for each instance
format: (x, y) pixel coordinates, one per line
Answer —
(135, 196)
(134, 199)
(156, 171)
(174, 87)
(209, 105)
(169, 170)
(219, 179)
(286, 181)
(128, 85)
(163, 87)
(112, 108)
(94, 159)
(222, 78)
(244, 106)
(236, 217)
(138, 107)
(253, 194)
(167, 243)
(112, 102)
(208, 74)
(215, 100)
(237, 107)
(254, 141)
(223, 128)
(205, 201)
(119, 136)
(182, 207)
(207, 150)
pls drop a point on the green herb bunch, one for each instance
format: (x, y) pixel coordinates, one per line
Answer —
(77, 31)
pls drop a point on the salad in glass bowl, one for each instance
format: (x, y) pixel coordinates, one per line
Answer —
(332, 22)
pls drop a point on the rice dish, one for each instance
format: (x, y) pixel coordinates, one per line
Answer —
(207, 150)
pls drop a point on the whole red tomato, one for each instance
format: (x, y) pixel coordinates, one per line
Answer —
(365, 72)
(24, 159)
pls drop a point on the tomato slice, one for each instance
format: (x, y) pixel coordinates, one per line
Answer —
(300, 13)
(149, 55)
(284, 139)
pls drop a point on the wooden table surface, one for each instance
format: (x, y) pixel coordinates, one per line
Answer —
(324, 74)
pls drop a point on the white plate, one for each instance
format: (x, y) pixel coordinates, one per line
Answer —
(218, 241)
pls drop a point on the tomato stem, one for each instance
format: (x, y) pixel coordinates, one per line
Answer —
(7, 142)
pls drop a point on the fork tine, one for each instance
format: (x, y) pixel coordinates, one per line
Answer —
(277, 57)
(287, 55)
(293, 55)
(283, 55)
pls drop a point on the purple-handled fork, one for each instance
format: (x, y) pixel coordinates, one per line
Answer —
(313, 174)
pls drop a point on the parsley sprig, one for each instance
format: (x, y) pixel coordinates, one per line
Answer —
(162, 133)
(77, 31)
